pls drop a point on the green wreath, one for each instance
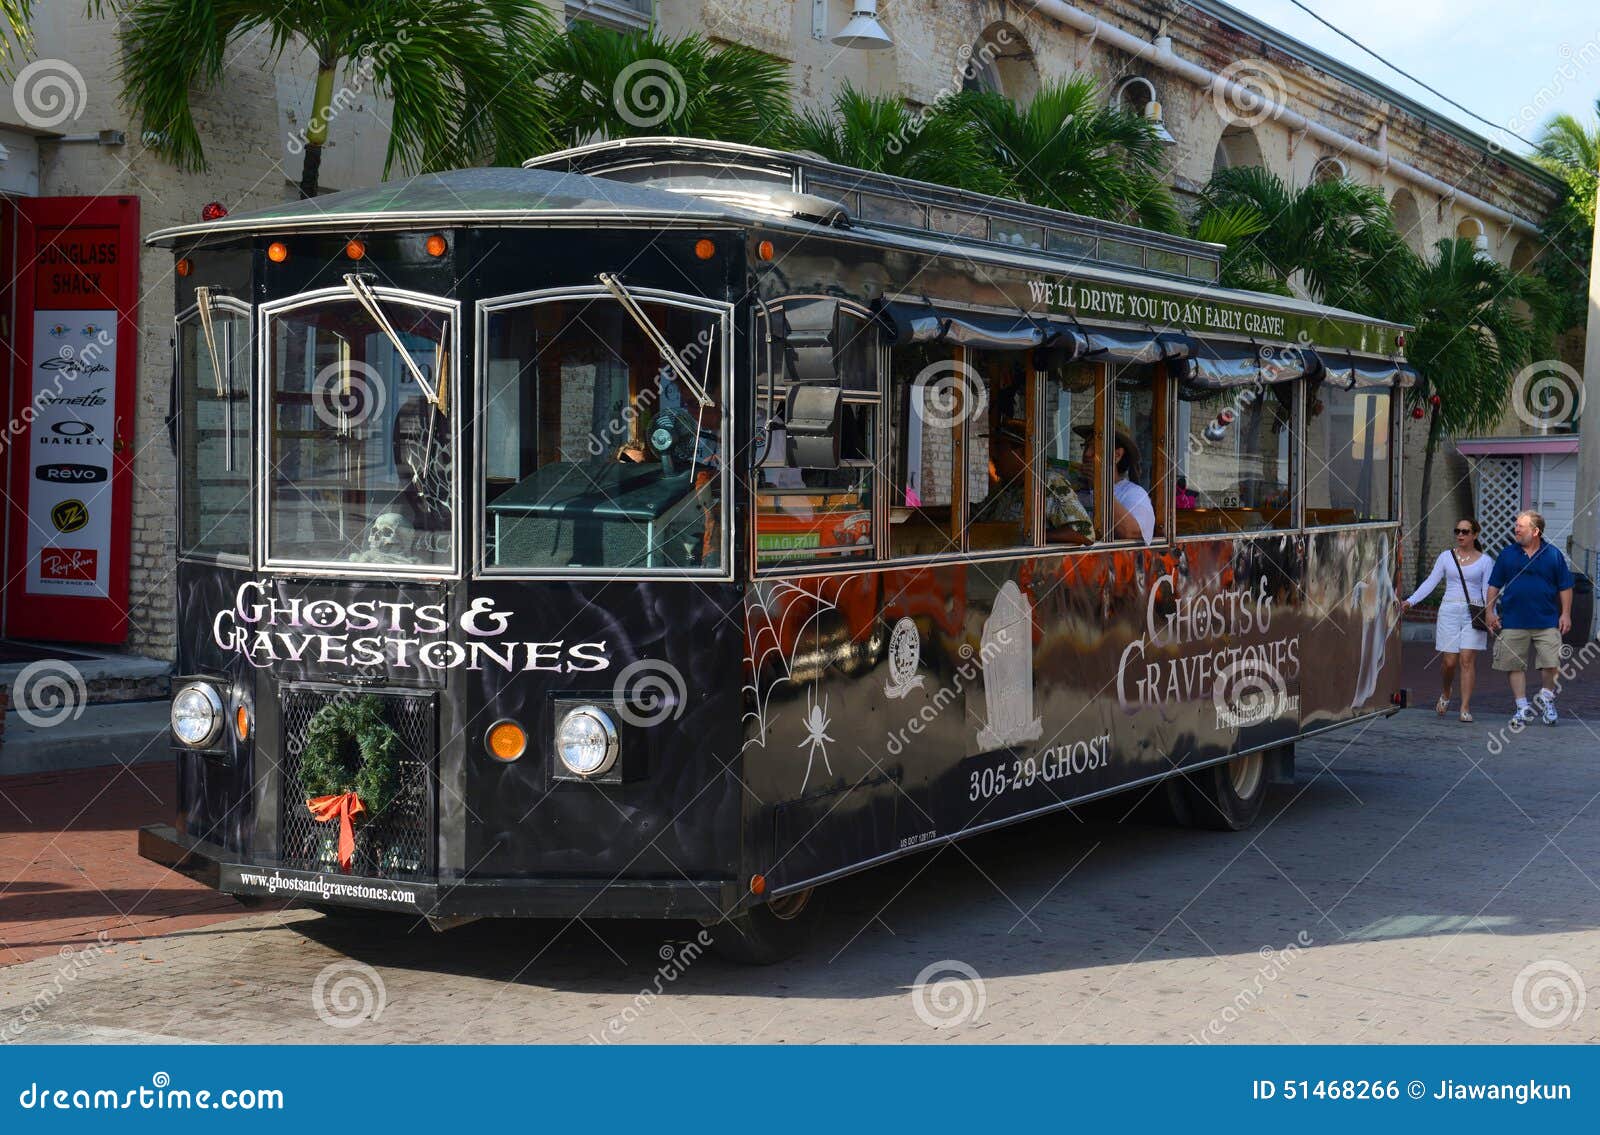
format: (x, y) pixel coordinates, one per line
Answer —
(350, 748)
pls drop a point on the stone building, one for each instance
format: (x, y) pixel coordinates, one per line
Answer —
(1310, 117)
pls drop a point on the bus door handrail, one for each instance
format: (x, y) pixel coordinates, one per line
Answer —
(653, 333)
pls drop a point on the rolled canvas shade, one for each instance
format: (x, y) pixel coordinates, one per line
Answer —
(1217, 365)
(1350, 371)
(1120, 345)
(928, 323)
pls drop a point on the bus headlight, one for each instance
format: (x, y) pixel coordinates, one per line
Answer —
(586, 741)
(197, 714)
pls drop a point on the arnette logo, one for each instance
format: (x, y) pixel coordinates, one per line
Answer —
(72, 474)
(69, 515)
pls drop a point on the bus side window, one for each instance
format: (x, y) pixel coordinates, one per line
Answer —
(1348, 468)
(817, 515)
(1071, 412)
(1140, 477)
(999, 489)
(923, 444)
(1235, 460)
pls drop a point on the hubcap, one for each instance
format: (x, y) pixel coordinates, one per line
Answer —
(1245, 775)
(790, 906)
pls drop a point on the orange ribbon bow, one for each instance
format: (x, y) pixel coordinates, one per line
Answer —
(347, 806)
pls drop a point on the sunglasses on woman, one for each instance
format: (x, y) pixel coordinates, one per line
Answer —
(1463, 532)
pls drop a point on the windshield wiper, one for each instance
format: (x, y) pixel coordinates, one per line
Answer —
(202, 297)
(631, 306)
(363, 293)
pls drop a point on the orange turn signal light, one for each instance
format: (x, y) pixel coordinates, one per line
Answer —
(277, 252)
(436, 245)
(355, 249)
(506, 740)
(185, 266)
(241, 723)
(764, 250)
(704, 249)
(758, 884)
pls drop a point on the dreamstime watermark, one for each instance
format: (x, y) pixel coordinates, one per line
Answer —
(1247, 92)
(359, 79)
(1574, 62)
(973, 63)
(348, 393)
(1274, 964)
(973, 662)
(70, 364)
(948, 392)
(1250, 691)
(48, 692)
(1547, 394)
(648, 92)
(948, 994)
(1548, 994)
(48, 93)
(74, 963)
(1572, 664)
(649, 692)
(348, 992)
(676, 958)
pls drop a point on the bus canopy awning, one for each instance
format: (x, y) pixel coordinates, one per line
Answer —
(1349, 371)
(1216, 365)
(1019, 331)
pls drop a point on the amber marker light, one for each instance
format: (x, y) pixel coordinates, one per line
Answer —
(355, 249)
(506, 741)
(241, 723)
(704, 249)
(185, 266)
(436, 245)
(764, 250)
(277, 252)
(758, 884)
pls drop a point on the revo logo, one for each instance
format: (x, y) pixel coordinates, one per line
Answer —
(69, 474)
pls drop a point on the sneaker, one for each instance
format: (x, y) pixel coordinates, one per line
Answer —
(1525, 714)
(1547, 711)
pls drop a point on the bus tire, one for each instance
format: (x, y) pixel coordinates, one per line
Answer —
(771, 932)
(1227, 797)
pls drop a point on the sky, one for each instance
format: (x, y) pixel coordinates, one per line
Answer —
(1513, 63)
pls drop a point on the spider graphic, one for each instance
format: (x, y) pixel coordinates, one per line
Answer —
(817, 722)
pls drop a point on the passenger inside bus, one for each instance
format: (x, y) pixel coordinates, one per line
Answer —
(1133, 517)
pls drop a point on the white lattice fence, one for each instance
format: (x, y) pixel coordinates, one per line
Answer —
(1499, 499)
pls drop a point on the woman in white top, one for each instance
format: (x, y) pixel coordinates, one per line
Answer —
(1454, 636)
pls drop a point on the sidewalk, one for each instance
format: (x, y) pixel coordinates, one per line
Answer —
(69, 869)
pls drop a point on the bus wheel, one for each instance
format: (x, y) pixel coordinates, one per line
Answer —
(1227, 797)
(771, 932)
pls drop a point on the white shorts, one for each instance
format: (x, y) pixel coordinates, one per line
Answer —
(1454, 633)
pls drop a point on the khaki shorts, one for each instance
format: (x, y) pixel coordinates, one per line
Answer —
(1512, 646)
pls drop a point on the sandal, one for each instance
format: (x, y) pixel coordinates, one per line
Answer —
(1466, 717)
(1441, 705)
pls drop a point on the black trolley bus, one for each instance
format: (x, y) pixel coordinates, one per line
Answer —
(667, 528)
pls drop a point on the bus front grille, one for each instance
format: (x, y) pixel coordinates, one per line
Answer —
(395, 844)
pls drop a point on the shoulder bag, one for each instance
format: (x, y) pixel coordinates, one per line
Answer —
(1477, 611)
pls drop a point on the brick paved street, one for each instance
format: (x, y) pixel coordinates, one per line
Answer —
(1394, 893)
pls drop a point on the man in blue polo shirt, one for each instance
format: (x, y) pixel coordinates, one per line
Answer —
(1533, 586)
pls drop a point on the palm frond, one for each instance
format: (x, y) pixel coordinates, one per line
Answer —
(16, 27)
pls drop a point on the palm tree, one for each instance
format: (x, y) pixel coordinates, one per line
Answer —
(1477, 324)
(1570, 147)
(883, 134)
(1330, 239)
(14, 25)
(462, 74)
(1068, 150)
(609, 84)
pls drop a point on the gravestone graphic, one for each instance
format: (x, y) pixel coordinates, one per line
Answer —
(1007, 653)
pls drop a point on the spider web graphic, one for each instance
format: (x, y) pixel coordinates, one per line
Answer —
(778, 607)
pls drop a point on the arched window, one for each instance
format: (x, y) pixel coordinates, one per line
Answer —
(1237, 147)
(1470, 228)
(1408, 218)
(1139, 96)
(1000, 60)
(1523, 256)
(1330, 169)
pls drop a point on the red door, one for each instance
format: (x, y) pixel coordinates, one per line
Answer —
(75, 345)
